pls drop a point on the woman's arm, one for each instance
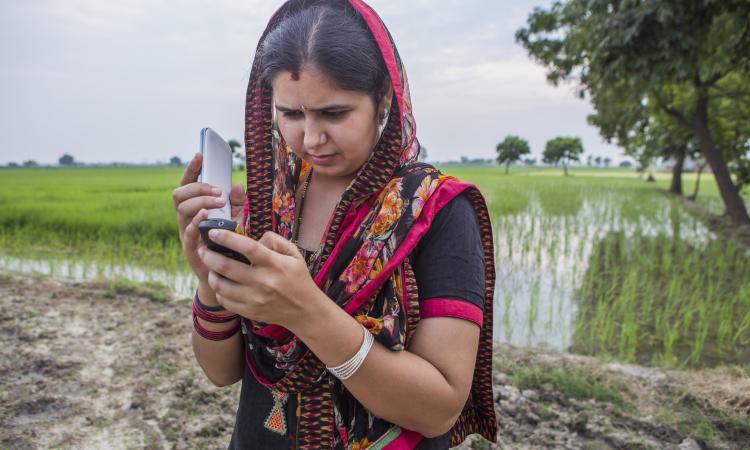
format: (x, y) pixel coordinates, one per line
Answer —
(422, 389)
(221, 361)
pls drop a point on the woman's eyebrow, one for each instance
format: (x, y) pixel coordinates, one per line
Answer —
(283, 108)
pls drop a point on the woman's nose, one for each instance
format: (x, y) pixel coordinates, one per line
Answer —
(315, 135)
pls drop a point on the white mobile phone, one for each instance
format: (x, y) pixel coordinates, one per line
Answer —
(217, 169)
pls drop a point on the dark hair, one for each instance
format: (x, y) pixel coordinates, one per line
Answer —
(334, 39)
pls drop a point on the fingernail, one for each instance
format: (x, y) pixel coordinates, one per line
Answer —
(200, 252)
(213, 233)
(219, 201)
(215, 191)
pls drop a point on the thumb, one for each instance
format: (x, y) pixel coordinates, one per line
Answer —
(237, 200)
(278, 244)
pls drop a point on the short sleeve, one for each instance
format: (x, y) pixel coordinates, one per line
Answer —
(448, 264)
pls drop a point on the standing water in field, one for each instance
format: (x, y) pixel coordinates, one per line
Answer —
(622, 272)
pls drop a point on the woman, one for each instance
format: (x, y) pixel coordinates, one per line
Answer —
(374, 330)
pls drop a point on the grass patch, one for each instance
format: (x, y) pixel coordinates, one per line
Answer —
(152, 290)
(699, 421)
(572, 383)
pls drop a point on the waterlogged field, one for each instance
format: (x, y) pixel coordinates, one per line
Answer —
(599, 262)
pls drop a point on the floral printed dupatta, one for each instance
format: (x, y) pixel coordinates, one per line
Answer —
(363, 266)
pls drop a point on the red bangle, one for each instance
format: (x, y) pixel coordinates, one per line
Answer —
(214, 335)
(209, 316)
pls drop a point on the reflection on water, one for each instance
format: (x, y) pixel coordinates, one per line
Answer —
(542, 254)
(183, 283)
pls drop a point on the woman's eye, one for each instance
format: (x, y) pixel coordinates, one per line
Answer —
(334, 114)
(292, 114)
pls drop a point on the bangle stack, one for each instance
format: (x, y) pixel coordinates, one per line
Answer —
(347, 369)
(208, 313)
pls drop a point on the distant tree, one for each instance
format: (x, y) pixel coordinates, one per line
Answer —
(66, 160)
(511, 150)
(626, 164)
(598, 161)
(12, 164)
(607, 162)
(464, 160)
(590, 160)
(236, 151)
(563, 150)
(175, 161)
(30, 163)
(529, 162)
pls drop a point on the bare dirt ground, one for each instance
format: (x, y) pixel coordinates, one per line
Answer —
(98, 365)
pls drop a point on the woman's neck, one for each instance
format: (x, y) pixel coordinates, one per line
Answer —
(329, 186)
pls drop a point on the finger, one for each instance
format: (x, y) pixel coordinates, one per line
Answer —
(257, 253)
(192, 232)
(278, 244)
(228, 293)
(237, 199)
(225, 266)
(192, 170)
(191, 206)
(191, 190)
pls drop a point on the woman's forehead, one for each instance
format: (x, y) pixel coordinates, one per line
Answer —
(311, 89)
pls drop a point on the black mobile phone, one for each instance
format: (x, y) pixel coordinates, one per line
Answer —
(223, 224)
(217, 171)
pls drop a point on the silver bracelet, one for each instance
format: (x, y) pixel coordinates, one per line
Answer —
(347, 369)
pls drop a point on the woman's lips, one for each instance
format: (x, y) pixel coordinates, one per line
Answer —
(322, 160)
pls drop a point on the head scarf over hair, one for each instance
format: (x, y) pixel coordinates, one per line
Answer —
(364, 265)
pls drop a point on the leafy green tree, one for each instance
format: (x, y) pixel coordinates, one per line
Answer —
(30, 163)
(175, 161)
(529, 162)
(236, 150)
(511, 150)
(674, 54)
(66, 160)
(562, 150)
(626, 164)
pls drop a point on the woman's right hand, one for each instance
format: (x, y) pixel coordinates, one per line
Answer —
(191, 202)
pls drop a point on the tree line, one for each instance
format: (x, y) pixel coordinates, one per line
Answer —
(666, 78)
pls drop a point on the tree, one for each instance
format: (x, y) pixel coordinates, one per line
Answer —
(562, 149)
(674, 54)
(590, 160)
(236, 151)
(511, 150)
(598, 161)
(12, 164)
(607, 162)
(422, 152)
(626, 164)
(66, 160)
(529, 162)
(30, 163)
(175, 161)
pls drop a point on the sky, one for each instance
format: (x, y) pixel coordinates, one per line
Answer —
(135, 80)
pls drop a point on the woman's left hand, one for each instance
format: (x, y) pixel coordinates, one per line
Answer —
(276, 288)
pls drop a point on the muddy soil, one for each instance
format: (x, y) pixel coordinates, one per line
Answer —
(92, 365)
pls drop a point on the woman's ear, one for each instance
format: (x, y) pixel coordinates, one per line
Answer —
(384, 105)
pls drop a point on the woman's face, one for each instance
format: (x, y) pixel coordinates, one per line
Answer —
(332, 129)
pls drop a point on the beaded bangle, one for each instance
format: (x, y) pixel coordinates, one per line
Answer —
(207, 312)
(214, 335)
(347, 369)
